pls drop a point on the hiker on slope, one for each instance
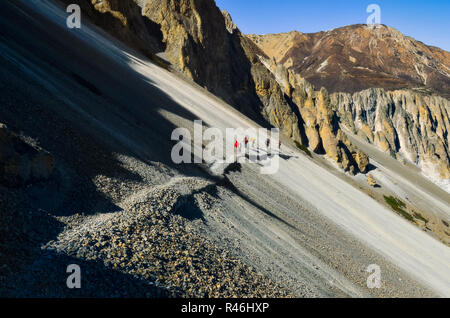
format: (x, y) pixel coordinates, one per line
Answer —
(236, 145)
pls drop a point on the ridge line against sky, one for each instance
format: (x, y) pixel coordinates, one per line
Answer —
(427, 21)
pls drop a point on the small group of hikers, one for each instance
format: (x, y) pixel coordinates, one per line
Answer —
(237, 144)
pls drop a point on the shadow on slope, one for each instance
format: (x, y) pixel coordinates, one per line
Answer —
(97, 281)
(87, 109)
(101, 120)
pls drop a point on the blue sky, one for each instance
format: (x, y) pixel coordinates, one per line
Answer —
(426, 21)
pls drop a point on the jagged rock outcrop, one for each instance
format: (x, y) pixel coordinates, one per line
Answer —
(320, 123)
(21, 163)
(357, 57)
(371, 181)
(405, 124)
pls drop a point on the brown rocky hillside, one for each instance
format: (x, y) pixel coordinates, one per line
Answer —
(357, 57)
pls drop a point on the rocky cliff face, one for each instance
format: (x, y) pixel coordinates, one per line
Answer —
(405, 124)
(358, 57)
(202, 43)
(319, 121)
(207, 46)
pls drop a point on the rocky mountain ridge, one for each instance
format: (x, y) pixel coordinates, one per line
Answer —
(358, 57)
